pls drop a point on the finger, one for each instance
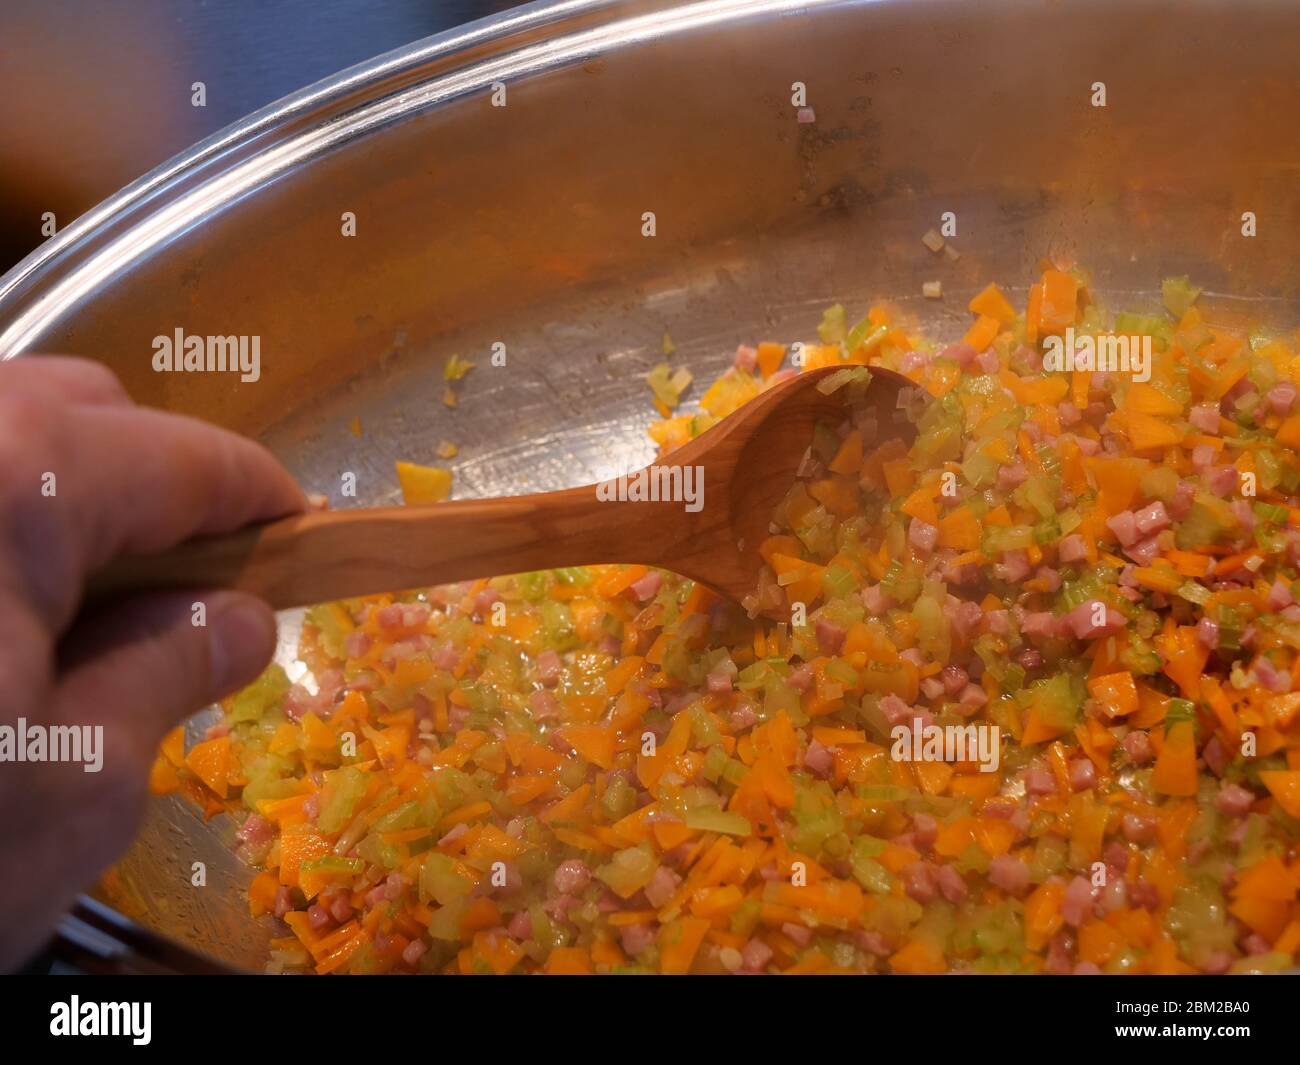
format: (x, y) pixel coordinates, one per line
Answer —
(144, 665)
(26, 657)
(71, 378)
(136, 481)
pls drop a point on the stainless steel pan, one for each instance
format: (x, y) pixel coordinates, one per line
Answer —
(522, 225)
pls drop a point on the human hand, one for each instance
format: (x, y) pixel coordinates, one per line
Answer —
(87, 476)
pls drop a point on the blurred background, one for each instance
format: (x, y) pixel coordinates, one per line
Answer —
(97, 92)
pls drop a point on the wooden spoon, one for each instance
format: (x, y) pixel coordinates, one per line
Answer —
(748, 462)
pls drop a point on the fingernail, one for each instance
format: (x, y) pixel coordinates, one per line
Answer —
(242, 634)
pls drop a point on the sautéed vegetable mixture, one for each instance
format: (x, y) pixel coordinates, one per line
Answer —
(609, 770)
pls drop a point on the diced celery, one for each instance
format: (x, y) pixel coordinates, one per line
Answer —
(342, 790)
(1160, 482)
(933, 635)
(1000, 538)
(980, 470)
(1040, 493)
(871, 874)
(816, 817)
(1140, 657)
(268, 784)
(335, 865)
(375, 851)
(405, 816)
(883, 793)
(746, 916)
(1271, 513)
(571, 575)
(445, 922)
(1158, 329)
(838, 582)
(715, 819)
(440, 882)
(1057, 699)
(1014, 679)
(1230, 628)
(251, 703)
(1080, 590)
(834, 325)
(619, 799)
(842, 672)
(715, 763)
(532, 586)
(557, 625)
(704, 729)
(1178, 294)
(866, 334)
(1198, 919)
(628, 870)
(334, 625)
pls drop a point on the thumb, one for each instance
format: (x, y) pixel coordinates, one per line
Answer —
(153, 660)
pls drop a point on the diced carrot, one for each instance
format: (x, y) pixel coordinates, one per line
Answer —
(298, 844)
(1043, 913)
(1059, 302)
(848, 459)
(1034, 313)
(262, 893)
(594, 743)
(1175, 769)
(991, 302)
(1263, 916)
(679, 940)
(1185, 657)
(918, 957)
(770, 357)
(1099, 942)
(1118, 481)
(960, 530)
(1116, 693)
(920, 504)
(210, 761)
(1268, 878)
(1037, 730)
(1284, 786)
(173, 746)
(568, 961)
(981, 333)
(1288, 433)
(1146, 432)
(163, 778)
(423, 484)
(499, 951)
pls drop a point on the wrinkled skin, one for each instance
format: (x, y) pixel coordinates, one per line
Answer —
(129, 480)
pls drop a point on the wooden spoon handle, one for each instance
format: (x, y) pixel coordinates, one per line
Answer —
(327, 555)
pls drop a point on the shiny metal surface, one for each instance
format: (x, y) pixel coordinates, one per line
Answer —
(96, 93)
(522, 225)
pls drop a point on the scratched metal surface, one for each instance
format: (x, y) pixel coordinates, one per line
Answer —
(521, 225)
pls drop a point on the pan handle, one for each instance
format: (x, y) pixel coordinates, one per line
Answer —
(93, 938)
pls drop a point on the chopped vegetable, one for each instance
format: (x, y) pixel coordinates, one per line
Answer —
(423, 484)
(606, 769)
